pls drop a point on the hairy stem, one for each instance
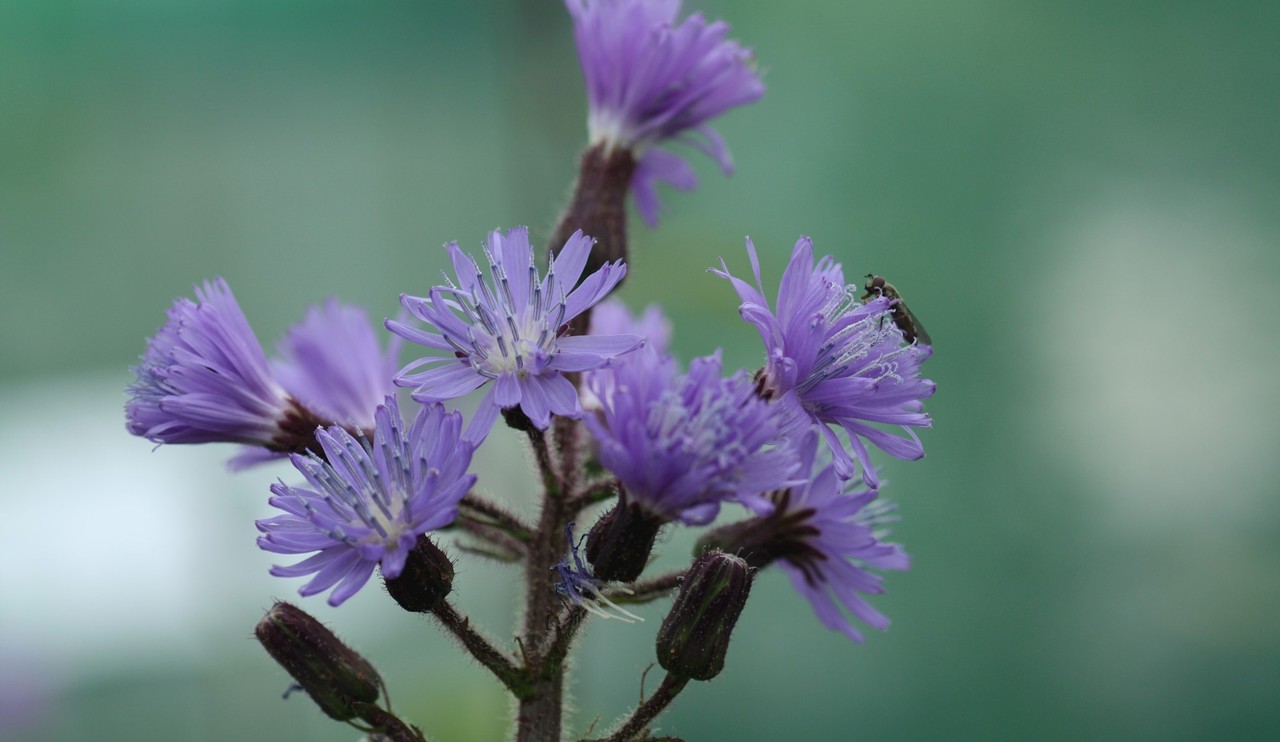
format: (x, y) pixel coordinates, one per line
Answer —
(598, 492)
(645, 591)
(485, 512)
(551, 484)
(649, 710)
(539, 714)
(391, 727)
(599, 205)
(485, 653)
(565, 632)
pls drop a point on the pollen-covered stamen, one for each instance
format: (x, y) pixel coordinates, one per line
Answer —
(709, 433)
(388, 516)
(855, 344)
(394, 451)
(511, 338)
(840, 301)
(377, 490)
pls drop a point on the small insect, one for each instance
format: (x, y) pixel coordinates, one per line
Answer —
(911, 328)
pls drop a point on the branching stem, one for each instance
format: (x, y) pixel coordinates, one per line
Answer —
(485, 653)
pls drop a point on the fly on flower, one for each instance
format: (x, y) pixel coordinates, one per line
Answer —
(836, 360)
(902, 315)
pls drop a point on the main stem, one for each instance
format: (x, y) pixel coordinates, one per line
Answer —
(540, 707)
(598, 208)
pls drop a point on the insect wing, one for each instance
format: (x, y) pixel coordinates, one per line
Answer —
(913, 327)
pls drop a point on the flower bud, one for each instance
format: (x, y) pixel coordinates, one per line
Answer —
(695, 634)
(340, 681)
(425, 580)
(619, 544)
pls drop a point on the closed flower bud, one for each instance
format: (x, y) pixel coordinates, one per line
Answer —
(340, 681)
(619, 544)
(695, 635)
(426, 579)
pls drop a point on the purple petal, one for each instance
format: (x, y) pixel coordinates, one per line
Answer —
(659, 166)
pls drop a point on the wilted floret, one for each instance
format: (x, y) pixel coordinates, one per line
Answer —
(580, 587)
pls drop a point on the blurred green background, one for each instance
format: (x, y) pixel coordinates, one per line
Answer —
(1079, 200)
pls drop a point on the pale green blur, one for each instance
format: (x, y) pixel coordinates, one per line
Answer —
(1078, 199)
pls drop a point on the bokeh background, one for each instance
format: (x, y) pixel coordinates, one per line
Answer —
(1078, 198)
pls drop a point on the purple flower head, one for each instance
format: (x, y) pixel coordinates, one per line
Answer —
(204, 377)
(508, 330)
(650, 79)
(367, 503)
(830, 540)
(836, 362)
(683, 444)
(333, 366)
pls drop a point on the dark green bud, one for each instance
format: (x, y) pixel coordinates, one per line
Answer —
(695, 634)
(619, 544)
(426, 579)
(340, 681)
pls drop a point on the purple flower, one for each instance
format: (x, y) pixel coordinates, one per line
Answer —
(835, 545)
(683, 444)
(650, 79)
(367, 503)
(333, 366)
(836, 362)
(204, 377)
(828, 539)
(508, 330)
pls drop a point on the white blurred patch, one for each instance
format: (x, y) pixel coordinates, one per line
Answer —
(114, 555)
(1157, 337)
(108, 549)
